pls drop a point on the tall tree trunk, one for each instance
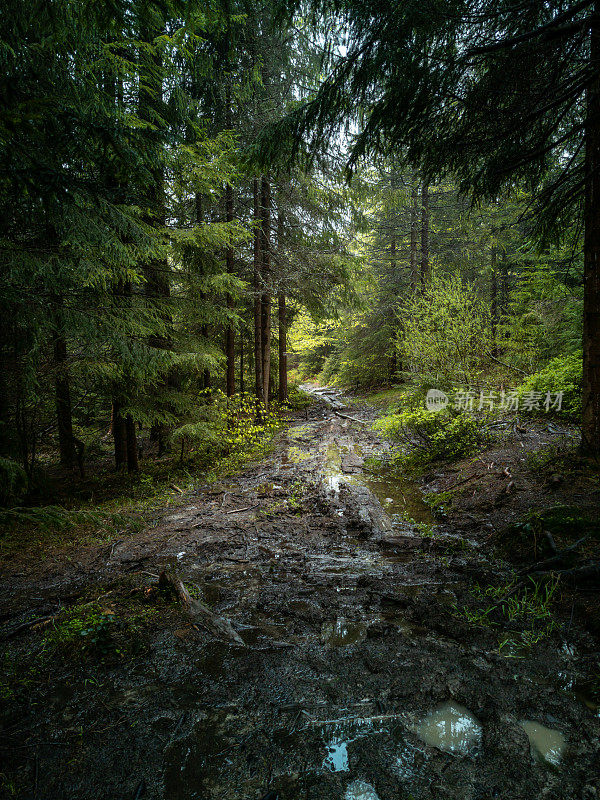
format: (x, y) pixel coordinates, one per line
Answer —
(204, 329)
(266, 296)
(392, 322)
(424, 234)
(504, 286)
(62, 391)
(257, 290)
(494, 302)
(230, 333)
(156, 270)
(590, 431)
(132, 452)
(414, 210)
(241, 363)
(282, 320)
(119, 434)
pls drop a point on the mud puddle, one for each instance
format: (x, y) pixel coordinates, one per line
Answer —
(451, 728)
(547, 744)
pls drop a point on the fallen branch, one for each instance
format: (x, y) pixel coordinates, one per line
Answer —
(508, 366)
(239, 510)
(548, 563)
(466, 480)
(573, 574)
(25, 626)
(219, 626)
(352, 419)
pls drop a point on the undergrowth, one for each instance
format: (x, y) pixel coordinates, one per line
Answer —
(108, 505)
(522, 614)
(428, 436)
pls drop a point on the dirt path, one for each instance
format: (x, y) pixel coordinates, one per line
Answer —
(358, 678)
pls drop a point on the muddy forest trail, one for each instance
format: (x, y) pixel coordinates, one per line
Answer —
(355, 676)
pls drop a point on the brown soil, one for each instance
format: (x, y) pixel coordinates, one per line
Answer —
(355, 625)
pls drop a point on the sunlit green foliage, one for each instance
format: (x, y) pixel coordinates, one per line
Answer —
(560, 375)
(432, 435)
(446, 331)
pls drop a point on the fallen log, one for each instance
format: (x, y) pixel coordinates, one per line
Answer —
(548, 563)
(201, 615)
(574, 575)
(25, 626)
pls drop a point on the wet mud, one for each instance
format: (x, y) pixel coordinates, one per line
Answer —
(357, 679)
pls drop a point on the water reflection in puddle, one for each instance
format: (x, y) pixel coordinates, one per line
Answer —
(338, 734)
(411, 763)
(360, 790)
(342, 632)
(547, 745)
(586, 691)
(401, 499)
(450, 728)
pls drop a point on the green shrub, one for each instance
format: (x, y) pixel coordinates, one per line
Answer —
(297, 399)
(86, 629)
(227, 427)
(445, 331)
(13, 482)
(562, 374)
(444, 435)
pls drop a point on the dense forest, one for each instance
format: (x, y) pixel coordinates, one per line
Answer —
(160, 238)
(286, 284)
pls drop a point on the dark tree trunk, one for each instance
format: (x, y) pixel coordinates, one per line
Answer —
(241, 364)
(424, 234)
(257, 291)
(62, 389)
(590, 431)
(204, 329)
(282, 320)
(119, 435)
(494, 303)
(132, 452)
(230, 351)
(414, 210)
(504, 286)
(156, 271)
(230, 334)
(266, 296)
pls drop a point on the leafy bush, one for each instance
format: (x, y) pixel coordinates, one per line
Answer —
(87, 629)
(446, 331)
(297, 399)
(433, 435)
(562, 374)
(227, 427)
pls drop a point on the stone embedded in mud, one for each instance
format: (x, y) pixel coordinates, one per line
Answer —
(546, 744)
(360, 790)
(450, 727)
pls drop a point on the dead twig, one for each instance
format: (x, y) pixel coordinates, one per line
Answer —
(239, 510)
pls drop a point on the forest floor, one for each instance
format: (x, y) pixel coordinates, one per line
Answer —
(355, 646)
